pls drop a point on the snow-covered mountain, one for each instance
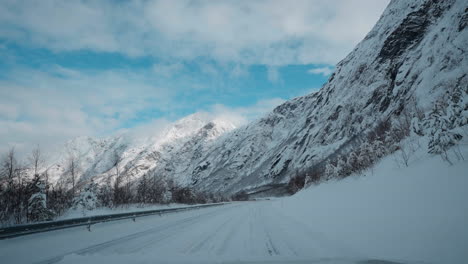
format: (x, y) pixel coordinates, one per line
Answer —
(96, 158)
(413, 55)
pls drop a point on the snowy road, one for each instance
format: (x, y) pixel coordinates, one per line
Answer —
(249, 232)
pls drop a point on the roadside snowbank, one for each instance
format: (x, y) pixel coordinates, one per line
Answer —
(415, 213)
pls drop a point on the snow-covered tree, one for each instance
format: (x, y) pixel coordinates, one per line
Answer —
(416, 126)
(87, 199)
(365, 157)
(330, 170)
(439, 128)
(37, 203)
(341, 167)
(445, 122)
(143, 190)
(352, 161)
(378, 148)
(457, 109)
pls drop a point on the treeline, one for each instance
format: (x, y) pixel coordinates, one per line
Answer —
(26, 195)
(24, 198)
(444, 126)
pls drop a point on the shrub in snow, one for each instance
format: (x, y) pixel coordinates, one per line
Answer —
(240, 196)
(183, 195)
(105, 195)
(296, 183)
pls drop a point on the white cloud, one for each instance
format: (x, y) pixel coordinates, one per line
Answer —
(53, 104)
(168, 69)
(239, 71)
(145, 131)
(8, 111)
(325, 71)
(273, 32)
(242, 115)
(50, 107)
(273, 74)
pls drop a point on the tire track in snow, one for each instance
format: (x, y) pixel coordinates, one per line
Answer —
(174, 230)
(277, 232)
(154, 231)
(158, 237)
(317, 242)
(228, 238)
(108, 244)
(271, 248)
(194, 248)
(258, 230)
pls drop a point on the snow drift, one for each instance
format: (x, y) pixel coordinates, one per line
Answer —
(406, 214)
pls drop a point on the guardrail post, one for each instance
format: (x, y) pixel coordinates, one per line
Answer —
(89, 225)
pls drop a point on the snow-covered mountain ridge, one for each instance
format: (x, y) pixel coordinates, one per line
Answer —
(413, 55)
(96, 158)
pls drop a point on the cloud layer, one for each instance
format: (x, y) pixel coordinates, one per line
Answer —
(272, 32)
(197, 56)
(51, 106)
(325, 71)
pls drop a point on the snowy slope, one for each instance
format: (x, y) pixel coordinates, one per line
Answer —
(414, 54)
(414, 213)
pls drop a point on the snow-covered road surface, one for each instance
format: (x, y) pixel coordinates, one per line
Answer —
(249, 232)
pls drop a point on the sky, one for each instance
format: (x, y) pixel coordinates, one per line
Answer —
(95, 68)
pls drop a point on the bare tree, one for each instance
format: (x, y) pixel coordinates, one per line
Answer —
(8, 196)
(20, 189)
(404, 155)
(46, 178)
(9, 164)
(36, 159)
(116, 160)
(119, 192)
(72, 169)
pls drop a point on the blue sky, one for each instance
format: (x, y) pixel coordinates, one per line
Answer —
(71, 68)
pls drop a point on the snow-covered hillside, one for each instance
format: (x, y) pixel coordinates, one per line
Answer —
(406, 214)
(415, 53)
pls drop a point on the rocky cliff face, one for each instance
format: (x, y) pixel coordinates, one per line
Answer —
(414, 54)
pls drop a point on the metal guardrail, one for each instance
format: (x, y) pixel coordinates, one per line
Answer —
(21, 230)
